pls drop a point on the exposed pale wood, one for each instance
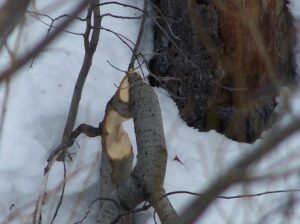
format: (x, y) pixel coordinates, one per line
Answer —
(91, 39)
(117, 152)
(115, 140)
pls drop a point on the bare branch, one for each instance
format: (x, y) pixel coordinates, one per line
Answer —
(61, 195)
(88, 211)
(90, 48)
(120, 17)
(83, 128)
(240, 196)
(120, 4)
(88, 130)
(139, 38)
(53, 20)
(146, 206)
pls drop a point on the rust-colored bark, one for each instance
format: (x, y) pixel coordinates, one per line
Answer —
(257, 39)
(226, 60)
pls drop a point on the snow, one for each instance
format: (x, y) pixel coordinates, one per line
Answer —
(37, 108)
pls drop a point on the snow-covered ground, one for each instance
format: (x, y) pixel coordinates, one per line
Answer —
(37, 108)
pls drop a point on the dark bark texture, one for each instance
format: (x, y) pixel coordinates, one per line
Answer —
(223, 62)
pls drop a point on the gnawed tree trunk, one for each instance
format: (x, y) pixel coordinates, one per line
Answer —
(117, 152)
(146, 180)
(224, 61)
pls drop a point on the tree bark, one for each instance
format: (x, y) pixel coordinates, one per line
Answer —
(152, 150)
(223, 62)
(147, 178)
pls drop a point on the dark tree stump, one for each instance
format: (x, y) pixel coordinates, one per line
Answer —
(224, 61)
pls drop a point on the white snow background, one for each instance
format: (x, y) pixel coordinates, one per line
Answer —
(37, 109)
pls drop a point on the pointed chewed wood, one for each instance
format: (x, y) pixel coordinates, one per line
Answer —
(117, 143)
(117, 154)
(115, 140)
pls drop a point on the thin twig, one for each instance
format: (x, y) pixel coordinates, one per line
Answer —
(139, 38)
(120, 17)
(56, 18)
(124, 40)
(88, 130)
(88, 211)
(51, 25)
(120, 4)
(240, 196)
(115, 67)
(146, 206)
(61, 195)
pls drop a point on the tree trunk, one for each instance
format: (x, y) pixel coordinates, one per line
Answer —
(145, 182)
(223, 62)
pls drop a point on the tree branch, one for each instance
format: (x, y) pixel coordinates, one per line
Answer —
(139, 38)
(90, 48)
